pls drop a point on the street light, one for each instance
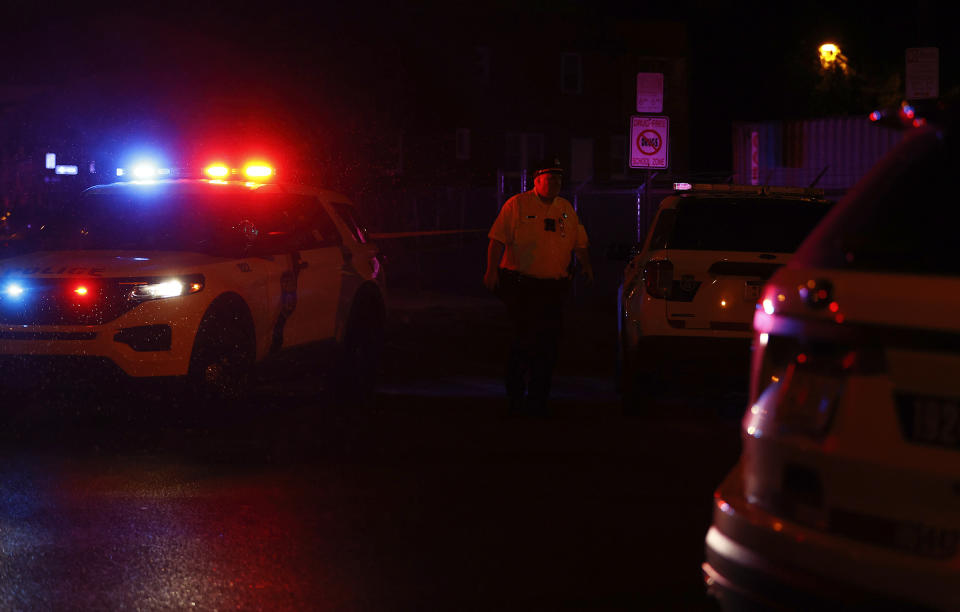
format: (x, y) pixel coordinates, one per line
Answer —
(831, 56)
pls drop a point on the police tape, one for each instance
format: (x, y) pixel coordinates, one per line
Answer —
(384, 235)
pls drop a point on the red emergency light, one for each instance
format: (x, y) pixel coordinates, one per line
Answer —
(216, 171)
(257, 170)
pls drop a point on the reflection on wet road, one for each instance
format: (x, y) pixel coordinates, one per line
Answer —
(432, 499)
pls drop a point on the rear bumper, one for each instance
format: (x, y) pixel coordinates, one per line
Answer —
(745, 586)
(756, 560)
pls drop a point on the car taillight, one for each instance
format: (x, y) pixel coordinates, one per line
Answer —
(658, 277)
(796, 384)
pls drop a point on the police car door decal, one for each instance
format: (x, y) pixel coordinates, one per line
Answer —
(312, 315)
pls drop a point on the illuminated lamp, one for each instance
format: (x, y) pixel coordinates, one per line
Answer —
(81, 290)
(216, 171)
(66, 170)
(14, 290)
(145, 170)
(257, 171)
(51, 161)
(876, 116)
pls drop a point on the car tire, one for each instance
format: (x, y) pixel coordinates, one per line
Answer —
(221, 366)
(357, 368)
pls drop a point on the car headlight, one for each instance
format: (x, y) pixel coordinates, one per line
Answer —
(165, 288)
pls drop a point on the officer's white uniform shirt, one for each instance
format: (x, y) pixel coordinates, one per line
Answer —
(532, 248)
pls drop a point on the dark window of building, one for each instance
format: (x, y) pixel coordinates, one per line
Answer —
(463, 143)
(481, 64)
(571, 73)
(618, 156)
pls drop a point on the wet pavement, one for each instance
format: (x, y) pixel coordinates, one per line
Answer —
(430, 499)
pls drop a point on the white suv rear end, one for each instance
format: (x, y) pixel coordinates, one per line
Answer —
(847, 492)
(689, 296)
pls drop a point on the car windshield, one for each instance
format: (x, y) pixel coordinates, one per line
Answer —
(749, 224)
(157, 220)
(900, 219)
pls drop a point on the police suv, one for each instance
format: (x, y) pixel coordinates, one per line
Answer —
(196, 279)
(688, 297)
(847, 492)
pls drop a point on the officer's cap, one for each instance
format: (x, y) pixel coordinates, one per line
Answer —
(549, 165)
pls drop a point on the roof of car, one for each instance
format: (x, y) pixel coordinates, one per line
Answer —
(206, 186)
(727, 191)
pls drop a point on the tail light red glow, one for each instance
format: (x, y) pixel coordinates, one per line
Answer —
(658, 277)
(81, 290)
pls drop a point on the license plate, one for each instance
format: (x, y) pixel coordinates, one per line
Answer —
(930, 420)
(751, 290)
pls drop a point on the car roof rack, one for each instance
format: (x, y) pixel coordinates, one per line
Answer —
(809, 192)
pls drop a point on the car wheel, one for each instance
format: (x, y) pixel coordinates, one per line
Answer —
(360, 354)
(221, 367)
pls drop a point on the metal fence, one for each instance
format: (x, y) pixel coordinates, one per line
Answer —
(436, 239)
(838, 150)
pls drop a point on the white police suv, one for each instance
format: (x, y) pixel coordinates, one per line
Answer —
(198, 279)
(688, 297)
(847, 491)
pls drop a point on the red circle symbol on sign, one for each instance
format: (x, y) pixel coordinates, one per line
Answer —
(649, 142)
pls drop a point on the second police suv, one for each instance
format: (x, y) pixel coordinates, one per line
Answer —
(192, 279)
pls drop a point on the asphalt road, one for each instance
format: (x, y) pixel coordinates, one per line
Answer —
(432, 499)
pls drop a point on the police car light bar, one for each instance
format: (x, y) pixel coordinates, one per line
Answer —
(217, 171)
(257, 170)
(253, 171)
(144, 171)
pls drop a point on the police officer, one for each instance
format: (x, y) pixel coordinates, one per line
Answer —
(529, 266)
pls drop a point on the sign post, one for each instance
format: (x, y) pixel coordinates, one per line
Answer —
(650, 142)
(649, 150)
(650, 92)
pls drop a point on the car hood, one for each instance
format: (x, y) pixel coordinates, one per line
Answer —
(58, 264)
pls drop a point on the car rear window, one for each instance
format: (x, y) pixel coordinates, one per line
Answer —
(902, 218)
(748, 224)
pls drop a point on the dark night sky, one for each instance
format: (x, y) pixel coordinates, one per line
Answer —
(284, 69)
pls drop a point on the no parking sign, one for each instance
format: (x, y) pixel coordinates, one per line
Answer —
(650, 142)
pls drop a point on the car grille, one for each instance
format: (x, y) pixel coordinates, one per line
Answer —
(20, 335)
(53, 302)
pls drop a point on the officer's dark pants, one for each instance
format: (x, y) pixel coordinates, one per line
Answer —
(535, 307)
